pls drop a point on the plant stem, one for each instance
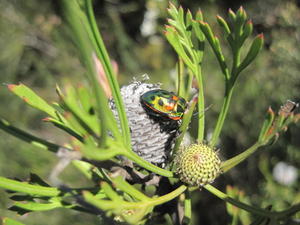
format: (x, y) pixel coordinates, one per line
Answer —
(201, 103)
(145, 164)
(222, 115)
(230, 163)
(232, 201)
(82, 35)
(252, 209)
(169, 196)
(121, 184)
(27, 188)
(236, 62)
(105, 60)
(180, 89)
(23, 135)
(187, 208)
(189, 83)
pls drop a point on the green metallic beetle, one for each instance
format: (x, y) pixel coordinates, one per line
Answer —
(161, 103)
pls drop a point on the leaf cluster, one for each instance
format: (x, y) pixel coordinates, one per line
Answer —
(98, 141)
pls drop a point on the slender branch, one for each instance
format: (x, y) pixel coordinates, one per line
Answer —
(201, 104)
(23, 135)
(252, 209)
(187, 208)
(121, 184)
(31, 189)
(110, 74)
(236, 62)
(169, 196)
(180, 69)
(145, 164)
(230, 163)
(222, 115)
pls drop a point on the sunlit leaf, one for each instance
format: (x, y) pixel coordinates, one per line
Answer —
(31, 98)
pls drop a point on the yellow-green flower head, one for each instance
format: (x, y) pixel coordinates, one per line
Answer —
(197, 165)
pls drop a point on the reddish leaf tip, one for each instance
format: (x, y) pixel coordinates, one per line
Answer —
(11, 86)
(76, 148)
(169, 27)
(270, 110)
(261, 36)
(46, 119)
(229, 187)
(170, 3)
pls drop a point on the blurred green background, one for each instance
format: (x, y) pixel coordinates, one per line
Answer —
(36, 49)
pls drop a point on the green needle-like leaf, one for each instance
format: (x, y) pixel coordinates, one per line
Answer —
(23, 135)
(172, 10)
(187, 39)
(255, 210)
(31, 98)
(35, 206)
(234, 161)
(241, 18)
(121, 184)
(224, 25)
(8, 221)
(147, 165)
(173, 37)
(70, 102)
(65, 128)
(85, 40)
(24, 187)
(199, 15)
(109, 72)
(241, 15)
(267, 124)
(231, 15)
(253, 52)
(248, 28)
(180, 15)
(188, 20)
(215, 44)
(109, 192)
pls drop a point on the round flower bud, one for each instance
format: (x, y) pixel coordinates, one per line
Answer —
(151, 138)
(197, 165)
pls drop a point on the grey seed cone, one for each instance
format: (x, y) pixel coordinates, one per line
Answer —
(150, 138)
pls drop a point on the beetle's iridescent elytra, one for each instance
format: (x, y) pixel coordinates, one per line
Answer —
(163, 103)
